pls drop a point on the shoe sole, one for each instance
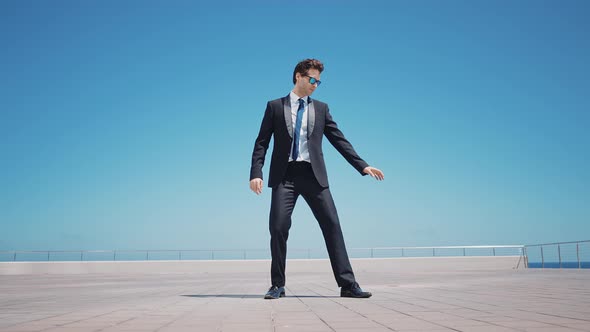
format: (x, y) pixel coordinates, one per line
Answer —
(268, 297)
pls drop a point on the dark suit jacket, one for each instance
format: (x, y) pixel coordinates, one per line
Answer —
(277, 120)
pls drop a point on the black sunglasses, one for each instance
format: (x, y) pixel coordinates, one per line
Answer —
(313, 81)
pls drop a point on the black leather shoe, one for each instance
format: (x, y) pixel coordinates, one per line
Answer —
(274, 293)
(355, 291)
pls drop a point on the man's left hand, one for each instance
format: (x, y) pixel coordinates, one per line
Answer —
(374, 172)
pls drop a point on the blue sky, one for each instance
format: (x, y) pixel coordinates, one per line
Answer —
(130, 124)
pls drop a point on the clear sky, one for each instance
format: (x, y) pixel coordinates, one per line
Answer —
(130, 124)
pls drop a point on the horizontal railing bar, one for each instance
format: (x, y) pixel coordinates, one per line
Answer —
(146, 250)
(444, 247)
(242, 250)
(555, 243)
(293, 249)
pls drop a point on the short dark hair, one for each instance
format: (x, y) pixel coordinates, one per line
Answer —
(305, 65)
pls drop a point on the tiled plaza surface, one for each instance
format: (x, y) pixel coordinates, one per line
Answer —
(448, 295)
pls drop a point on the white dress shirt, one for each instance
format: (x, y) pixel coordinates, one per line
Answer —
(303, 149)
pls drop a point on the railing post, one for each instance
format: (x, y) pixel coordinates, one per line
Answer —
(114, 255)
(48, 255)
(433, 252)
(81, 256)
(147, 255)
(463, 251)
(371, 252)
(559, 254)
(244, 254)
(494, 251)
(542, 259)
(212, 255)
(179, 255)
(526, 258)
(578, 255)
(403, 252)
(14, 256)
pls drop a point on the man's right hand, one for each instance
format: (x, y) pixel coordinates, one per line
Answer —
(256, 185)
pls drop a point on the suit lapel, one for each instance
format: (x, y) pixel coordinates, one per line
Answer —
(310, 117)
(287, 113)
(289, 120)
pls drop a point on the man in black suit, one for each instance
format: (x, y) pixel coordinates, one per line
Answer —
(298, 124)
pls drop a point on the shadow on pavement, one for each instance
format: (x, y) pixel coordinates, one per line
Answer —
(252, 296)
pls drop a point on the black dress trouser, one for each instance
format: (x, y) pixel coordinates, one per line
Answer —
(300, 180)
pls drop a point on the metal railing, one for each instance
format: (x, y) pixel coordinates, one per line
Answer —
(243, 254)
(575, 254)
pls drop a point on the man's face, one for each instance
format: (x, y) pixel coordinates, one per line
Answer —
(303, 85)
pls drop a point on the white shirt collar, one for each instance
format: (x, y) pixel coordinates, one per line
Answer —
(295, 98)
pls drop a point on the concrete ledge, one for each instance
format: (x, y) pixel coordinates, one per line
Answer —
(425, 264)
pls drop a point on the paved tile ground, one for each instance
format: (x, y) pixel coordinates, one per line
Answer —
(407, 300)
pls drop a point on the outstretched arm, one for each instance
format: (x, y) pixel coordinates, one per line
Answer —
(342, 145)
